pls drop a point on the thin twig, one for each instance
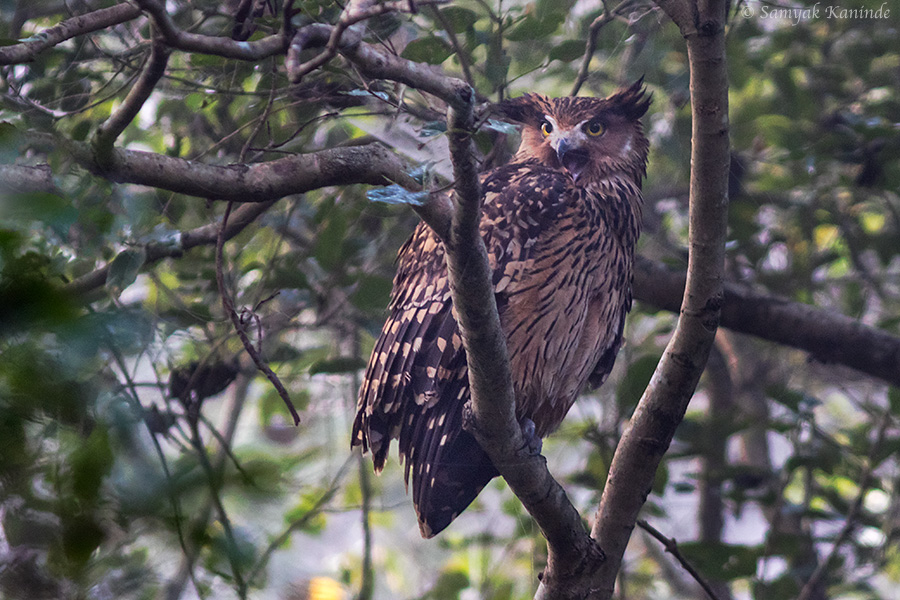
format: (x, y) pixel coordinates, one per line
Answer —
(300, 522)
(461, 54)
(355, 12)
(215, 486)
(850, 523)
(228, 306)
(671, 547)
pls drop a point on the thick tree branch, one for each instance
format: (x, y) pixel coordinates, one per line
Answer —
(827, 336)
(20, 179)
(257, 182)
(94, 21)
(492, 419)
(663, 405)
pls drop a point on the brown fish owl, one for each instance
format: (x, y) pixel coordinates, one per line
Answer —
(560, 223)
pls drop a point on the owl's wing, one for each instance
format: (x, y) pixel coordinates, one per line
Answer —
(416, 382)
(415, 387)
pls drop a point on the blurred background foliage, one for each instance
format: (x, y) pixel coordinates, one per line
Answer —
(142, 456)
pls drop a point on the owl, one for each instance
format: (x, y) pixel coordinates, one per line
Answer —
(560, 223)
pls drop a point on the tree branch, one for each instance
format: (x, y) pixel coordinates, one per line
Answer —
(94, 21)
(827, 336)
(238, 323)
(206, 235)
(257, 182)
(214, 45)
(664, 402)
(21, 179)
(105, 137)
(671, 547)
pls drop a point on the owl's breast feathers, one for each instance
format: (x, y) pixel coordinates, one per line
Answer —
(562, 262)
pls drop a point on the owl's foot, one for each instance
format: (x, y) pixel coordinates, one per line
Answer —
(532, 442)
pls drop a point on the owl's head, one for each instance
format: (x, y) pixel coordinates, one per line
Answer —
(591, 138)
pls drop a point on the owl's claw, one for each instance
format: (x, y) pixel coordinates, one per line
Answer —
(532, 442)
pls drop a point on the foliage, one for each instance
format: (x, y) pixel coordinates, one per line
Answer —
(117, 482)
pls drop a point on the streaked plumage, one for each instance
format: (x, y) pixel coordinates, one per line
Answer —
(560, 223)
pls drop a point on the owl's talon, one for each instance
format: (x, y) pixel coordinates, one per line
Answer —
(533, 443)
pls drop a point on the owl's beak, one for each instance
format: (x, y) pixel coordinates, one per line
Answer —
(572, 156)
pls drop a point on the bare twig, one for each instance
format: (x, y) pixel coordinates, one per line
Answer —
(228, 306)
(814, 581)
(593, 31)
(316, 509)
(94, 21)
(460, 52)
(671, 547)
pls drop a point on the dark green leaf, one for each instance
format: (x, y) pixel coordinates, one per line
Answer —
(568, 50)
(460, 19)
(124, 269)
(372, 293)
(635, 381)
(532, 28)
(340, 364)
(432, 50)
(724, 562)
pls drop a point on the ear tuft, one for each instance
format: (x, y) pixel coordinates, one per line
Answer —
(525, 109)
(632, 101)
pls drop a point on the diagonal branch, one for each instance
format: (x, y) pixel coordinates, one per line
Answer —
(28, 50)
(106, 135)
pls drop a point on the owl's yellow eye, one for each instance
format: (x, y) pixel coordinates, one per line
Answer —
(546, 128)
(594, 128)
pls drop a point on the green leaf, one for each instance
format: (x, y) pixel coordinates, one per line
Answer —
(568, 50)
(724, 562)
(460, 19)
(894, 399)
(372, 293)
(340, 364)
(432, 50)
(90, 464)
(124, 269)
(532, 28)
(635, 381)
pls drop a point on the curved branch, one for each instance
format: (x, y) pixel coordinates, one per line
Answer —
(214, 45)
(665, 401)
(491, 414)
(377, 64)
(94, 21)
(106, 135)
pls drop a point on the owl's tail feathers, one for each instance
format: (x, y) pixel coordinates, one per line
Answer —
(449, 485)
